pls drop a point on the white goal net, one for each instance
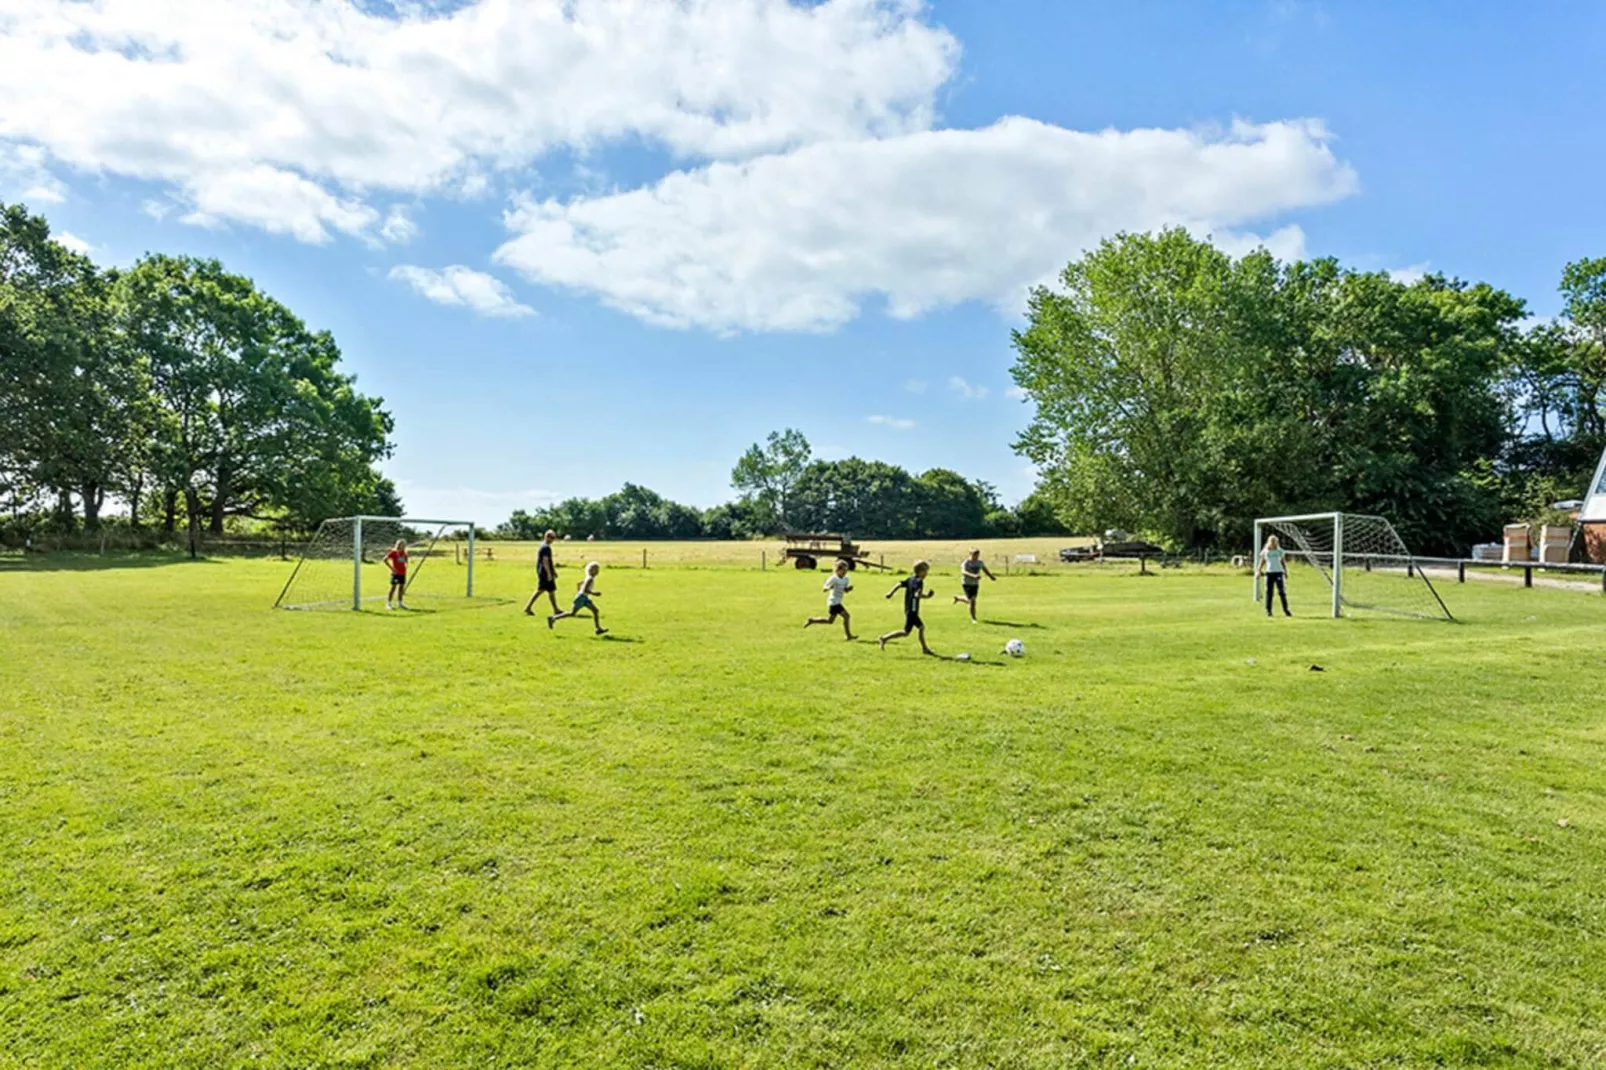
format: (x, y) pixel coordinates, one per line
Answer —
(343, 565)
(1356, 562)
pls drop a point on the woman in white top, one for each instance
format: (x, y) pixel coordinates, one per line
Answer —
(1272, 566)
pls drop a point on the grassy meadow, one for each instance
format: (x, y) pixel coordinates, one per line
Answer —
(453, 838)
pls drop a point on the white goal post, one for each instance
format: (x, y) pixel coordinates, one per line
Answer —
(329, 571)
(1362, 561)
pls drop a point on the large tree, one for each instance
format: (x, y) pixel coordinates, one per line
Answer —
(255, 417)
(1181, 392)
(74, 401)
(768, 474)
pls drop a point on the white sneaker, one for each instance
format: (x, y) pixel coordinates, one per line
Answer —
(401, 605)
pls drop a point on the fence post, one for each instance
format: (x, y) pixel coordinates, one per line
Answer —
(1461, 572)
(1527, 575)
(1603, 581)
(763, 560)
(1410, 570)
(643, 557)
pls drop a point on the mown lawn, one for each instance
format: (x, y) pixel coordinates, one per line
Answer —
(230, 836)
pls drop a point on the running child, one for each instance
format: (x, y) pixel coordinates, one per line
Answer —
(396, 561)
(1275, 569)
(971, 570)
(583, 600)
(546, 575)
(836, 585)
(913, 591)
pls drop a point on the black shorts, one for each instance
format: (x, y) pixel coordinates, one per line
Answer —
(838, 610)
(971, 590)
(912, 622)
(544, 585)
(398, 579)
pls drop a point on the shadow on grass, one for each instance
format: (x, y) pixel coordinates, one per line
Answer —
(611, 638)
(70, 562)
(1009, 624)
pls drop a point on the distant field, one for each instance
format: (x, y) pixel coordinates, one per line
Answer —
(759, 553)
(452, 838)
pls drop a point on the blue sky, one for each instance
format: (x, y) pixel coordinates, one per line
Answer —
(623, 239)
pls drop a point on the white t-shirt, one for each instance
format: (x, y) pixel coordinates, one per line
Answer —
(1273, 560)
(836, 586)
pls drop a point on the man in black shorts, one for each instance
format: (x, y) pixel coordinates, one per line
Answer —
(971, 570)
(546, 575)
(913, 591)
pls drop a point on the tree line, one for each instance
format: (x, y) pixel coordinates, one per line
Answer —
(1181, 392)
(782, 487)
(175, 387)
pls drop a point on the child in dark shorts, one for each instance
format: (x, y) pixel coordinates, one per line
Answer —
(913, 591)
(836, 585)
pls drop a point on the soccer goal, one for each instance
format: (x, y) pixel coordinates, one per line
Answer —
(1362, 562)
(343, 564)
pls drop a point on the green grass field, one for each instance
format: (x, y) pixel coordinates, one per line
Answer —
(236, 837)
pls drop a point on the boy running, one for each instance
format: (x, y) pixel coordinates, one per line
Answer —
(583, 600)
(396, 561)
(546, 575)
(836, 585)
(913, 591)
(971, 570)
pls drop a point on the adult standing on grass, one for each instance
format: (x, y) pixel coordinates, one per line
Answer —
(1273, 566)
(836, 585)
(971, 570)
(396, 561)
(546, 575)
(914, 590)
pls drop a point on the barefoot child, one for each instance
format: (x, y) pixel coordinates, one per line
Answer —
(583, 600)
(396, 561)
(913, 591)
(546, 575)
(836, 585)
(971, 571)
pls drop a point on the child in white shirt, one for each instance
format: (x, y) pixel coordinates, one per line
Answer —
(836, 585)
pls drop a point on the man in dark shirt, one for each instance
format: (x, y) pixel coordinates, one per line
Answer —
(913, 591)
(546, 575)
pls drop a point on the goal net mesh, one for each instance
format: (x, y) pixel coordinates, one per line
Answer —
(324, 577)
(1376, 572)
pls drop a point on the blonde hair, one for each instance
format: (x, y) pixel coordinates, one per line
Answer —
(593, 568)
(399, 544)
(1272, 543)
(842, 562)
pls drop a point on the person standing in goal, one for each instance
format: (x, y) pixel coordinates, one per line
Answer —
(583, 600)
(913, 591)
(396, 561)
(837, 584)
(971, 570)
(1273, 567)
(546, 575)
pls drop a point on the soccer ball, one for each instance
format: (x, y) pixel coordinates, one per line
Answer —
(1015, 648)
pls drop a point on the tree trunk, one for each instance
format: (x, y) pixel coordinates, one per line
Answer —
(93, 497)
(134, 494)
(219, 503)
(169, 511)
(192, 506)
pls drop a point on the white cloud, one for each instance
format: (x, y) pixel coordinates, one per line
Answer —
(896, 423)
(483, 507)
(967, 391)
(315, 104)
(1284, 243)
(797, 241)
(69, 240)
(462, 286)
(1410, 273)
(25, 176)
(1016, 393)
(399, 228)
(915, 386)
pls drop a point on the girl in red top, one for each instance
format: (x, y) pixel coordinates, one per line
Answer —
(397, 560)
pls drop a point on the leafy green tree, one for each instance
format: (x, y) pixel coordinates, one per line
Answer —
(255, 418)
(769, 474)
(73, 399)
